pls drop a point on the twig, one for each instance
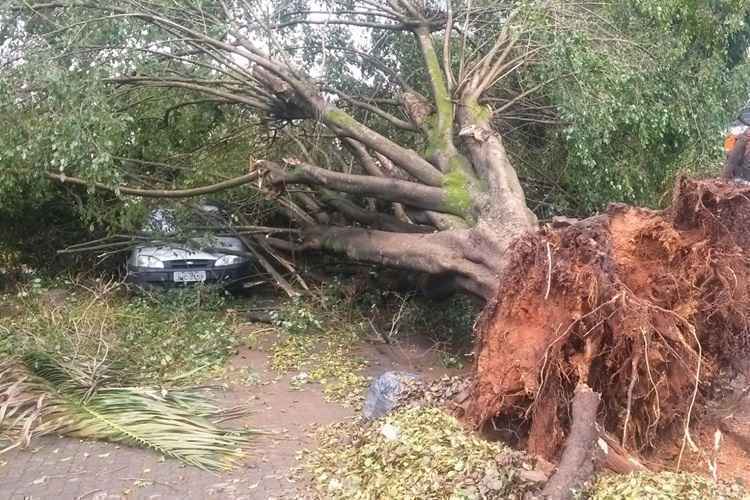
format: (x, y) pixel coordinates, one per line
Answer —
(88, 493)
(378, 333)
(397, 317)
(288, 265)
(149, 480)
(190, 373)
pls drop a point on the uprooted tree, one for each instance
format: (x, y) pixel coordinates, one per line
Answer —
(379, 131)
(450, 211)
(393, 117)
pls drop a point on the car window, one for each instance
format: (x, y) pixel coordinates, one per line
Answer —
(208, 215)
(163, 220)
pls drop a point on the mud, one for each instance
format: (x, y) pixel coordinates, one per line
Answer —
(647, 307)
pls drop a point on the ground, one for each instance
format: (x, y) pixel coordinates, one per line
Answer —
(288, 414)
(72, 469)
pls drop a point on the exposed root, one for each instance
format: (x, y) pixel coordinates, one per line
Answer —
(644, 306)
(633, 380)
(686, 436)
(577, 463)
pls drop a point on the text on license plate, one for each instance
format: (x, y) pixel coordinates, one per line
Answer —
(187, 276)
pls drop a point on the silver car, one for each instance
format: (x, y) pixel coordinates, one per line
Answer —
(200, 259)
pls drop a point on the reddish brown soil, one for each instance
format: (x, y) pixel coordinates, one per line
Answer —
(646, 307)
(732, 457)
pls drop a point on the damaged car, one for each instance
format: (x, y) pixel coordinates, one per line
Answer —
(171, 260)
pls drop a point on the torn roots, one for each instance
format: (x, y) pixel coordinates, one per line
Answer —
(643, 306)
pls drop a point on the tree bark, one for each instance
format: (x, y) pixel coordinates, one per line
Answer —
(577, 462)
(409, 193)
(441, 253)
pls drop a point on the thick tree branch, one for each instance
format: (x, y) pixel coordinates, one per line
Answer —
(407, 159)
(364, 158)
(409, 193)
(313, 208)
(158, 193)
(505, 203)
(385, 169)
(440, 92)
(390, 171)
(447, 63)
(436, 253)
(375, 220)
(577, 463)
(393, 120)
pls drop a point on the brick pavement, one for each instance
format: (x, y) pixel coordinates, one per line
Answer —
(70, 469)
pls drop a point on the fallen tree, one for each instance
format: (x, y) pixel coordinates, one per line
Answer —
(405, 165)
(397, 118)
(645, 307)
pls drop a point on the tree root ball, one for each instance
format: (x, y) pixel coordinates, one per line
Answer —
(645, 307)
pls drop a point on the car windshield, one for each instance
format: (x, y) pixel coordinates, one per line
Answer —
(163, 220)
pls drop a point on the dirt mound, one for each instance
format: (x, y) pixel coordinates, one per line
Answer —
(646, 307)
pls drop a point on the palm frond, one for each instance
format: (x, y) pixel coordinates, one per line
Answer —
(39, 396)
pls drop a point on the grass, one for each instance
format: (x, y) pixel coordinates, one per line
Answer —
(177, 336)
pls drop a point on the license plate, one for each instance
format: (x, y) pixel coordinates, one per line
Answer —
(189, 276)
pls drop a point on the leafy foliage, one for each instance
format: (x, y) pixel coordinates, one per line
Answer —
(663, 486)
(62, 115)
(417, 453)
(643, 88)
(319, 344)
(34, 230)
(297, 318)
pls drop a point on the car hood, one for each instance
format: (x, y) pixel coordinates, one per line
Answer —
(191, 249)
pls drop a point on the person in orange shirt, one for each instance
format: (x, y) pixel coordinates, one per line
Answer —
(737, 163)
